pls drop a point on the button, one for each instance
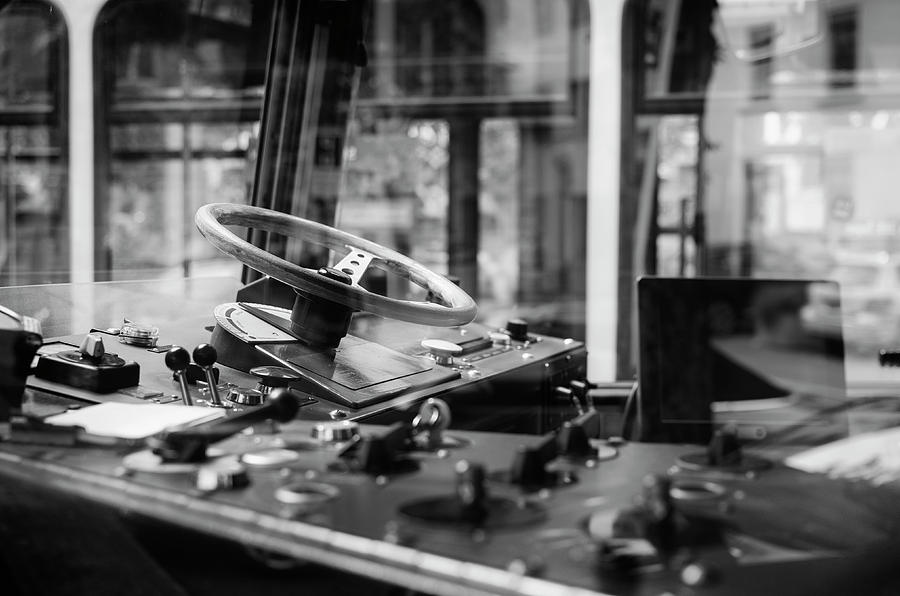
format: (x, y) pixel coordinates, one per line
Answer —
(335, 432)
(271, 377)
(499, 339)
(442, 351)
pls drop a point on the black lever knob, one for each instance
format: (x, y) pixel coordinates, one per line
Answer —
(178, 360)
(205, 357)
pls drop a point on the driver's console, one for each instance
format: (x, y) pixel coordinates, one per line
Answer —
(348, 353)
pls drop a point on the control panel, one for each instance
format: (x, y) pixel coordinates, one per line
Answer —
(444, 511)
(495, 379)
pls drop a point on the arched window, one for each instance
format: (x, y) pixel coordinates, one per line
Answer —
(33, 144)
(178, 96)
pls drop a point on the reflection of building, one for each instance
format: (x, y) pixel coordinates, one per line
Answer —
(33, 225)
(806, 130)
(508, 81)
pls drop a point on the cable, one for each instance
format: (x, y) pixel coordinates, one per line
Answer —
(632, 401)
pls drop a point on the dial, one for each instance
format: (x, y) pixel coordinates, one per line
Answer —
(251, 329)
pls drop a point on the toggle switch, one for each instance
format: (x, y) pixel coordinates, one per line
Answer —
(89, 367)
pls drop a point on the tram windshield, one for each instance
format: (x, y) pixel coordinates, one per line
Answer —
(487, 139)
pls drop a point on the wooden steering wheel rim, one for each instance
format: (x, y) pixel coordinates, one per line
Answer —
(211, 220)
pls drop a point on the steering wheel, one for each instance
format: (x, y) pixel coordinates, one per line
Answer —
(456, 308)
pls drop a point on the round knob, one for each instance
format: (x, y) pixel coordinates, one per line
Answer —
(222, 474)
(177, 359)
(271, 377)
(205, 355)
(335, 432)
(517, 329)
(245, 397)
(442, 351)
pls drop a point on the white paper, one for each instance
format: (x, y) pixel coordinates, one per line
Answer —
(132, 421)
(873, 456)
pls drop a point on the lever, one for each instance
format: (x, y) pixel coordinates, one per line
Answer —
(529, 466)
(566, 394)
(177, 360)
(431, 421)
(380, 454)
(471, 492)
(574, 436)
(581, 392)
(189, 444)
(205, 357)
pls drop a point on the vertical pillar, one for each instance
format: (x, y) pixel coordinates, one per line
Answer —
(463, 217)
(80, 17)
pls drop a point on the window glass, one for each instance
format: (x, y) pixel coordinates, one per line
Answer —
(467, 150)
(769, 134)
(33, 162)
(182, 87)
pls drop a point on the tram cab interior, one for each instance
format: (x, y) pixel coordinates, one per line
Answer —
(442, 296)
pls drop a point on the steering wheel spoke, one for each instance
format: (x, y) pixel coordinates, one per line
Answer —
(355, 263)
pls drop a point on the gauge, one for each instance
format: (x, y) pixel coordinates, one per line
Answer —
(251, 329)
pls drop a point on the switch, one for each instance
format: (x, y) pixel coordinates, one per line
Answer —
(92, 347)
(88, 367)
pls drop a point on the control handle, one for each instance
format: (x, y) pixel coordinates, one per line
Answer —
(189, 444)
